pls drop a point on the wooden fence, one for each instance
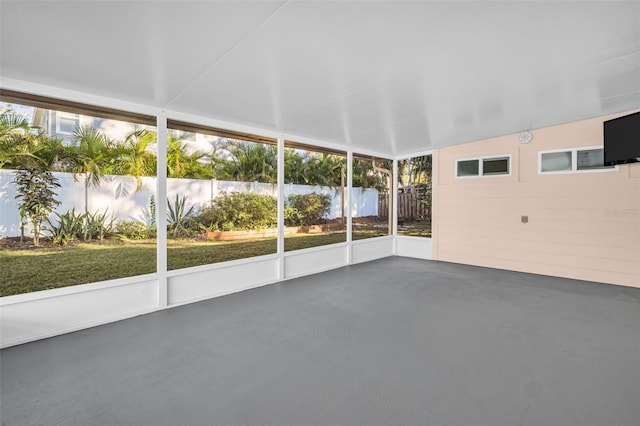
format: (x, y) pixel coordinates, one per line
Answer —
(412, 205)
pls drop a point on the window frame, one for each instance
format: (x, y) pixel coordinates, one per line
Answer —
(63, 114)
(574, 161)
(481, 161)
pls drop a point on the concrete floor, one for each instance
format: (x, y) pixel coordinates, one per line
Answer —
(397, 341)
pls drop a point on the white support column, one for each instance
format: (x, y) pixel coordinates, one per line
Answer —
(161, 210)
(280, 181)
(394, 197)
(349, 199)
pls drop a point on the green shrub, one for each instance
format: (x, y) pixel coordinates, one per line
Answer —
(97, 225)
(181, 221)
(306, 209)
(68, 227)
(72, 226)
(135, 230)
(238, 211)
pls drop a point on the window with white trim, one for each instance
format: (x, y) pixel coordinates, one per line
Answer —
(183, 135)
(484, 166)
(67, 123)
(574, 160)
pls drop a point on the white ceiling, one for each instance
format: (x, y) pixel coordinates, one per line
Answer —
(385, 76)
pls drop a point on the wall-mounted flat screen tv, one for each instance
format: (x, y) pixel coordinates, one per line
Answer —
(622, 140)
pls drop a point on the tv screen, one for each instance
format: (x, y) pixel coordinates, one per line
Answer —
(622, 140)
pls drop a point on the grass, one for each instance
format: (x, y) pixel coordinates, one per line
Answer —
(24, 271)
(415, 229)
(28, 270)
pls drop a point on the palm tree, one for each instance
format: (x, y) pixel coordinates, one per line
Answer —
(295, 167)
(365, 176)
(94, 155)
(23, 146)
(248, 162)
(326, 170)
(16, 142)
(134, 156)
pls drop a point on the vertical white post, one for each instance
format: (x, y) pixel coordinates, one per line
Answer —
(349, 205)
(434, 203)
(280, 181)
(394, 197)
(161, 210)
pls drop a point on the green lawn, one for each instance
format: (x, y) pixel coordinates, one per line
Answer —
(415, 229)
(27, 270)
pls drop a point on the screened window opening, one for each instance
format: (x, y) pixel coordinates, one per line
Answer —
(221, 197)
(315, 198)
(372, 203)
(414, 196)
(95, 178)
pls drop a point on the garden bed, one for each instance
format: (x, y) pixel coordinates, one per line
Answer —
(272, 232)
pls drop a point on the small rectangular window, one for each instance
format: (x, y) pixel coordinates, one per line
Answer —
(183, 136)
(495, 166)
(68, 123)
(590, 159)
(574, 160)
(556, 161)
(468, 168)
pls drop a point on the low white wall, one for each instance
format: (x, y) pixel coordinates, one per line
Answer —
(418, 247)
(313, 260)
(205, 282)
(371, 249)
(122, 198)
(32, 316)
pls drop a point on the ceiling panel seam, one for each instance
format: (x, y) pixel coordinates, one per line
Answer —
(226, 53)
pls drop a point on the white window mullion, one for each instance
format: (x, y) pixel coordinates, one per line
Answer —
(280, 200)
(161, 211)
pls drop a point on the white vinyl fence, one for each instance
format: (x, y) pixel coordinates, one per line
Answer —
(121, 197)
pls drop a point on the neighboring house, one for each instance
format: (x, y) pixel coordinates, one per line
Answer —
(62, 125)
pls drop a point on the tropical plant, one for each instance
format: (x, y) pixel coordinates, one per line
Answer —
(69, 227)
(23, 146)
(326, 170)
(152, 210)
(13, 128)
(97, 225)
(296, 168)
(307, 209)
(134, 230)
(181, 164)
(94, 154)
(135, 157)
(178, 215)
(247, 162)
(238, 211)
(364, 175)
(35, 188)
